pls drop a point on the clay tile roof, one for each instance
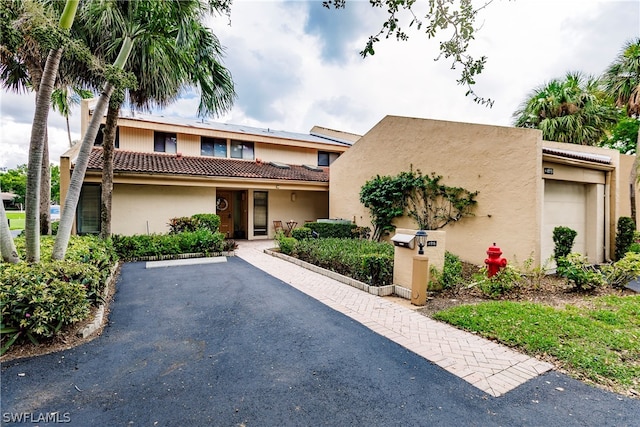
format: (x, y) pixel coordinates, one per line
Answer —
(173, 164)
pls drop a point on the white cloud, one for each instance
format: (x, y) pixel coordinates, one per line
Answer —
(294, 69)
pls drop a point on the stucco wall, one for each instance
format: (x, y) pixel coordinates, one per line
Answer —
(308, 206)
(501, 163)
(136, 207)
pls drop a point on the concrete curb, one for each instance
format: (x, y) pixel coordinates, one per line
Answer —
(96, 324)
(381, 291)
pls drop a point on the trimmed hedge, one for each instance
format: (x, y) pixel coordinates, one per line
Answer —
(338, 230)
(139, 246)
(364, 260)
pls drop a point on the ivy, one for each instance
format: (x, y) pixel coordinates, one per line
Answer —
(431, 204)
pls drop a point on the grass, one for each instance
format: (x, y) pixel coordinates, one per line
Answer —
(16, 220)
(599, 344)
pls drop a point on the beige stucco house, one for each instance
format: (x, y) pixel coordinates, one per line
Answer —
(526, 186)
(165, 168)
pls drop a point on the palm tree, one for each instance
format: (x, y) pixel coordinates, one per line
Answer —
(25, 64)
(167, 22)
(574, 110)
(622, 82)
(63, 98)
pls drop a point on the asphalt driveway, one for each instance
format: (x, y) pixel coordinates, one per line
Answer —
(225, 344)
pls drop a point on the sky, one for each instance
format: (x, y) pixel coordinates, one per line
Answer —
(296, 64)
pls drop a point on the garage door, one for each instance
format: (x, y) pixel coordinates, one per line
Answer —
(565, 205)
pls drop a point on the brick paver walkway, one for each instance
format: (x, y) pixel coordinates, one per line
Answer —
(491, 367)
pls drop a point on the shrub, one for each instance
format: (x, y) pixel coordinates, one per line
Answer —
(563, 238)
(331, 230)
(361, 233)
(622, 271)
(451, 275)
(499, 284)
(378, 268)
(346, 256)
(579, 272)
(286, 244)
(142, 245)
(208, 221)
(38, 300)
(301, 233)
(624, 236)
(182, 224)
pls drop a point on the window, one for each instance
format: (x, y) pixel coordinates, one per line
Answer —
(165, 142)
(100, 137)
(88, 212)
(213, 147)
(242, 150)
(260, 213)
(325, 158)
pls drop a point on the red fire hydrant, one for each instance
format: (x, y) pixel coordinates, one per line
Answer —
(494, 262)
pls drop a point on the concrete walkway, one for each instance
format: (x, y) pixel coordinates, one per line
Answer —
(493, 368)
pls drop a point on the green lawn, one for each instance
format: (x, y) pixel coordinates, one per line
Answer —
(599, 344)
(16, 220)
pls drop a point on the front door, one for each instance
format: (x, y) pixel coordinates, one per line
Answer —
(224, 209)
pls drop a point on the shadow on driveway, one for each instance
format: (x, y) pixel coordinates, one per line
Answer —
(225, 344)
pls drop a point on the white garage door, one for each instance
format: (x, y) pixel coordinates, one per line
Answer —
(565, 205)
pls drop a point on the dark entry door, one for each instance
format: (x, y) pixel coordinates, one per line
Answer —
(224, 209)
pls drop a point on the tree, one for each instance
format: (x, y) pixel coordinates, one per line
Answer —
(7, 247)
(15, 181)
(63, 98)
(624, 136)
(453, 18)
(622, 82)
(384, 196)
(164, 70)
(574, 110)
(169, 22)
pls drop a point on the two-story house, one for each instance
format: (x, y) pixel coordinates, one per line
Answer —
(168, 167)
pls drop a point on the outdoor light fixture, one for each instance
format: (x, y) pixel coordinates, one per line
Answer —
(293, 197)
(421, 237)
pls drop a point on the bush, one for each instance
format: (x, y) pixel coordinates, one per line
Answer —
(563, 238)
(302, 233)
(331, 230)
(579, 272)
(142, 245)
(195, 222)
(208, 221)
(359, 259)
(38, 300)
(499, 284)
(624, 236)
(286, 244)
(622, 271)
(451, 275)
(378, 268)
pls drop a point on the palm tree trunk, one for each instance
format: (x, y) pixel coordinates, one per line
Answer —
(68, 213)
(69, 131)
(7, 247)
(36, 148)
(80, 168)
(107, 170)
(45, 190)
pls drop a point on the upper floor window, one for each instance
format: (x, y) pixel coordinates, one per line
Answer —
(100, 137)
(325, 158)
(165, 142)
(242, 150)
(213, 147)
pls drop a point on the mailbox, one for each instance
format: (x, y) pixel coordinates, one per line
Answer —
(404, 240)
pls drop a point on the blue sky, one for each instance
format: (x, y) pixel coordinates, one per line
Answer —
(296, 64)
